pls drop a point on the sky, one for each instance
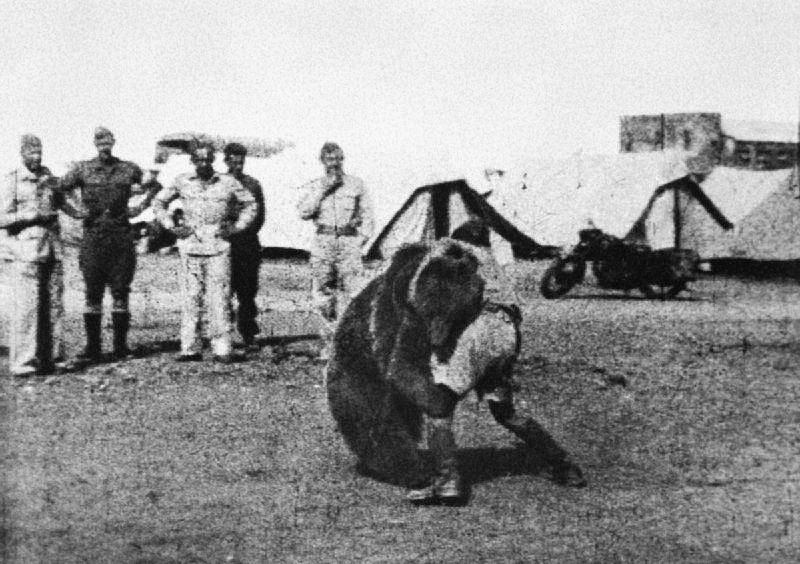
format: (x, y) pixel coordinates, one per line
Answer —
(396, 83)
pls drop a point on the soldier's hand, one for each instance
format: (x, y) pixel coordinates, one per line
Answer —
(182, 231)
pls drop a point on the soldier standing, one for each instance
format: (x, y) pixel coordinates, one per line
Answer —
(29, 207)
(246, 250)
(341, 209)
(216, 207)
(108, 249)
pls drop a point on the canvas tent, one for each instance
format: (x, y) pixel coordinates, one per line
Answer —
(552, 199)
(435, 210)
(677, 215)
(764, 209)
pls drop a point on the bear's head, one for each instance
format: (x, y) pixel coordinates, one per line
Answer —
(441, 287)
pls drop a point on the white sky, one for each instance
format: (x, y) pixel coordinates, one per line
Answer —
(402, 81)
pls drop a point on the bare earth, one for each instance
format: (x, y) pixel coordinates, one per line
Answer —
(684, 416)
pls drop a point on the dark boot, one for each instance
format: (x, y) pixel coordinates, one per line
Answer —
(448, 485)
(91, 324)
(121, 321)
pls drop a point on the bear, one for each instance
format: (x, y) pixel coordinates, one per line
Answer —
(395, 339)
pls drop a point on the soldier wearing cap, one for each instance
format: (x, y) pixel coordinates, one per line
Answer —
(246, 250)
(216, 208)
(29, 204)
(108, 251)
(341, 209)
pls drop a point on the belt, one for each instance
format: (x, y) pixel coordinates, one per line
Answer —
(346, 231)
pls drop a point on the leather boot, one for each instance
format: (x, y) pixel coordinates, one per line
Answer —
(448, 485)
(121, 321)
(91, 324)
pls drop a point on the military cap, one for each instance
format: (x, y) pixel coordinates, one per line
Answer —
(30, 141)
(103, 133)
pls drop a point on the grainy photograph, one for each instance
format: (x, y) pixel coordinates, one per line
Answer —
(389, 282)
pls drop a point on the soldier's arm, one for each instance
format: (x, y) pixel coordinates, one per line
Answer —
(10, 218)
(309, 202)
(72, 179)
(161, 202)
(247, 205)
(261, 208)
(150, 188)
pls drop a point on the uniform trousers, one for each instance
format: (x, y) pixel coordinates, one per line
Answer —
(36, 324)
(245, 263)
(107, 258)
(206, 300)
(335, 269)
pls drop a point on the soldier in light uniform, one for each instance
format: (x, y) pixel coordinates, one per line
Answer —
(341, 209)
(108, 249)
(216, 207)
(29, 204)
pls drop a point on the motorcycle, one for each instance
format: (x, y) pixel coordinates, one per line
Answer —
(621, 265)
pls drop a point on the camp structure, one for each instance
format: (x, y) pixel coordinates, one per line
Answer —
(764, 209)
(435, 210)
(679, 214)
(648, 197)
(278, 165)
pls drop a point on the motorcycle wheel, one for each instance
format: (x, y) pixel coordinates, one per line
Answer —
(562, 276)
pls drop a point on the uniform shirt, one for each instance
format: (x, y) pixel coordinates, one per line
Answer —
(105, 191)
(349, 206)
(22, 197)
(250, 234)
(206, 205)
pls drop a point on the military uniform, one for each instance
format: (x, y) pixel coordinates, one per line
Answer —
(245, 263)
(213, 210)
(36, 273)
(344, 221)
(108, 249)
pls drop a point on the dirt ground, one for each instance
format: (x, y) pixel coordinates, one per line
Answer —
(683, 415)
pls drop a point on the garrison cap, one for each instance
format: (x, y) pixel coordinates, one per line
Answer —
(30, 141)
(103, 133)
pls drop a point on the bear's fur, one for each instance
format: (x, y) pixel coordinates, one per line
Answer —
(379, 379)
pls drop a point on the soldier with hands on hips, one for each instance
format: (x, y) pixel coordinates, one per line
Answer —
(341, 209)
(216, 208)
(108, 249)
(29, 204)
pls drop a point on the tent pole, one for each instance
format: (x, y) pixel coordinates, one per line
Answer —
(676, 216)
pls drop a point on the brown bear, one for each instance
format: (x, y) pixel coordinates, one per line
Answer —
(406, 324)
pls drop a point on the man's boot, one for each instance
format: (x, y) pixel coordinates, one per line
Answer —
(448, 485)
(91, 324)
(121, 321)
